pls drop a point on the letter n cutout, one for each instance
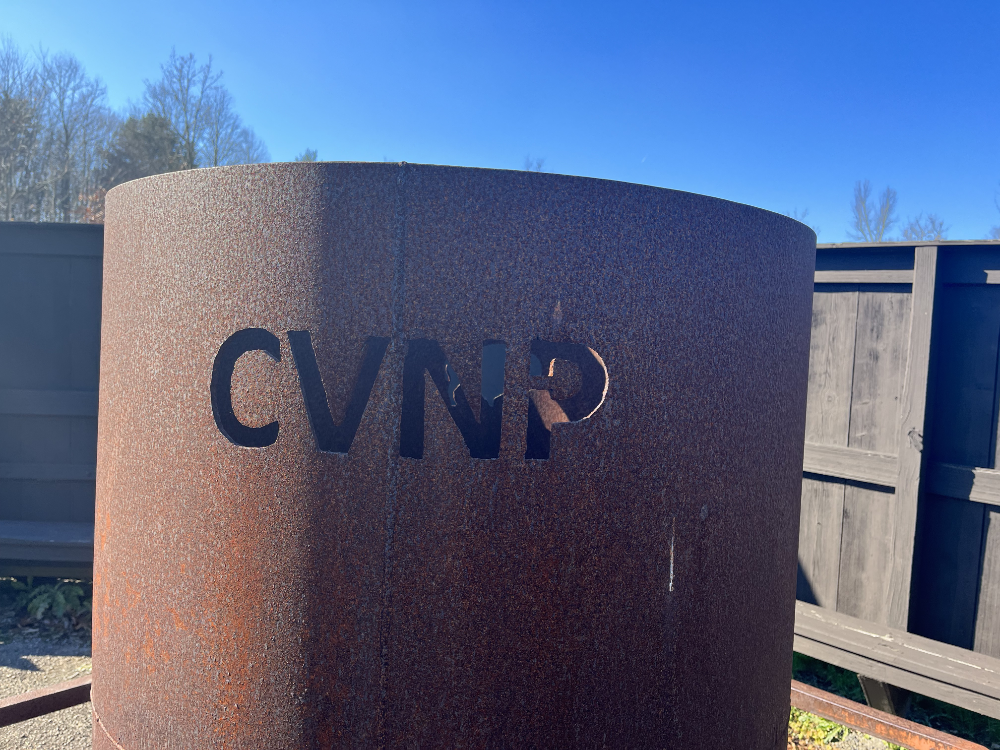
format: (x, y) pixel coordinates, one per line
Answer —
(482, 438)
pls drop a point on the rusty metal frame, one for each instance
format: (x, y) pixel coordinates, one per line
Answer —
(45, 700)
(878, 724)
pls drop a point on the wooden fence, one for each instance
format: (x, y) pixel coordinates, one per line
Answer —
(50, 328)
(900, 485)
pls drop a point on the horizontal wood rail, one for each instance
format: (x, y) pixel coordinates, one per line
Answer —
(53, 403)
(52, 541)
(49, 472)
(851, 463)
(938, 670)
(964, 483)
(864, 277)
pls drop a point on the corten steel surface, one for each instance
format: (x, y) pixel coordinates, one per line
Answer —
(45, 700)
(256, 586)
(895, 729)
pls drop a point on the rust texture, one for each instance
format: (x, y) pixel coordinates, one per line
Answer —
(45, 700)
(567, 513)
(876, 723)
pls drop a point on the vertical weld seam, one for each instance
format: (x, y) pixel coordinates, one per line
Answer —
(392, 459)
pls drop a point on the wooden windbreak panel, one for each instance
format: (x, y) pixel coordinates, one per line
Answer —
(959, 540)
(883, 325)
(848, 536)
(828, 417)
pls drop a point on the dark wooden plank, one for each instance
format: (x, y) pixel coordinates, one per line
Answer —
(987, 638)
(40, 472)
(49, 541)
(880, 361)
(48, 403)
(880, 358)
(865, 553)
(864, 277)
(851, 463)
(960, 436)
(879, 258)
(884, 697)
(964, 482)
(961, 424)
(968, 265)
(910, 428)
(946, 569)
(868, 247)
(37, 238)
(820, 524)
(831, 365)
(938, 670)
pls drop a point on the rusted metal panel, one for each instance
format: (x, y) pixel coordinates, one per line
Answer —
(443, 582)
(45, 700)
(878, 724)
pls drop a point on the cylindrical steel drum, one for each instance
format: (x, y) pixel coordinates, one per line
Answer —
(398, 455)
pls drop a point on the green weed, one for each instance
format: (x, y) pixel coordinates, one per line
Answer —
(57, 603)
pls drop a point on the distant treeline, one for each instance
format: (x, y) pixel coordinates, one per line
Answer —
(62, 147)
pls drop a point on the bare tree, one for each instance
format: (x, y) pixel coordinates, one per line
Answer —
(223, 136)
(801, 217)
(871, 223)
(921, 228)
(20, 133)
(184, 96)
(200, 110)
(534, 165)
(62, 148)
(79, 124)
(994, 233)
(251, 149)
(310, 154)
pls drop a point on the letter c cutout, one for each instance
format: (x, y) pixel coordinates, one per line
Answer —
(241, 342)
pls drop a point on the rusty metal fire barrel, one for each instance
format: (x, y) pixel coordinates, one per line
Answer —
(398, 455)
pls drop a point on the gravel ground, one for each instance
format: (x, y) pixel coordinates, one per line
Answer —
(858, 741)
(28, 662)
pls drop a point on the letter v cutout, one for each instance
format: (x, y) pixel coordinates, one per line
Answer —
(331, 437)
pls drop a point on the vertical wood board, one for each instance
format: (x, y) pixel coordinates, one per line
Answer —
(820, 523)
(987, 638)
(866, 553)
(831, 367)
(828, 417)
(946, 570)
(879, 362)
(910, 440)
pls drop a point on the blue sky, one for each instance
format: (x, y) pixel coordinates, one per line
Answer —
(780, 105)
